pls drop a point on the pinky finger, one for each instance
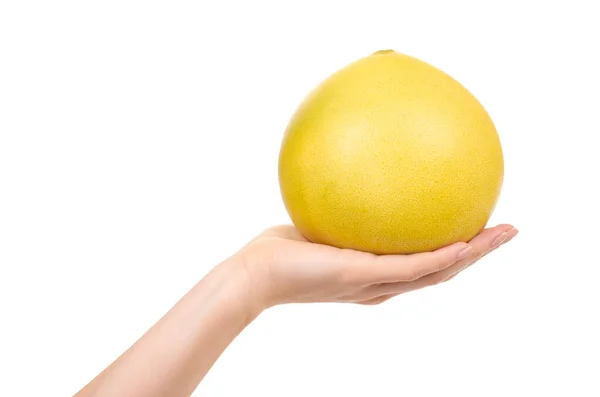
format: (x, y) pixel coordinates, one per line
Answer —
(377, 300)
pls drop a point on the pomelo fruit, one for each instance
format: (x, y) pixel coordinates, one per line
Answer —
(390, 155)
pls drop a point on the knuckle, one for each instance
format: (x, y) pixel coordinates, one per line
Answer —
(443, 263)
(411, 274)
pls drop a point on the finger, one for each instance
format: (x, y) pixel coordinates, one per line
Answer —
(377, 300)
(504, 238)
(486, 241)
(452, 276)
(406, 268)
(510, 235)
(403, 268)
(480, 250)
(498, 242)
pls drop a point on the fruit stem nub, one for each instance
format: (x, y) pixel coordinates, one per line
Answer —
(380, 52)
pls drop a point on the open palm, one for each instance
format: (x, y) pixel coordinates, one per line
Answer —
(288, 268)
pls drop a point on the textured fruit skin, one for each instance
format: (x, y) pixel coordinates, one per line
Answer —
(390, 155)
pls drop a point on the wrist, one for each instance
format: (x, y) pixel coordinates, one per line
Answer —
(238, 288)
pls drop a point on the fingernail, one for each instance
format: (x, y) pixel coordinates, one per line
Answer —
(451, 277)
(464, 253)
(513, 232)
(499, 240)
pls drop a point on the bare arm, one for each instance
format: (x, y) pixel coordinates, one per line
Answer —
(278, 267)
(174, 356)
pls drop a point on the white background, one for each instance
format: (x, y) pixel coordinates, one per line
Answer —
(138, 148)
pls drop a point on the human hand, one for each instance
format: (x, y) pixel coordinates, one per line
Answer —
(279, 266)
(284, 267)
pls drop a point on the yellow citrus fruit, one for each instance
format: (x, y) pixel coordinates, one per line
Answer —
(390, 155)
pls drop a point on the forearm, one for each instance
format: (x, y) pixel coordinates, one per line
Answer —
(175, 355)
